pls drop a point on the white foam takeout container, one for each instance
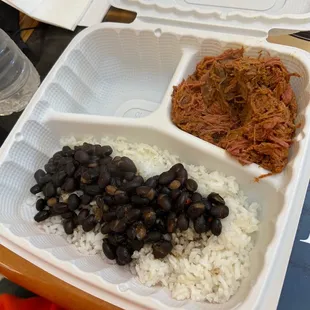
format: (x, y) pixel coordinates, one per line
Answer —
(117, 80)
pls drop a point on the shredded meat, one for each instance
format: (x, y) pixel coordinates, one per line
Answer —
(245, 105)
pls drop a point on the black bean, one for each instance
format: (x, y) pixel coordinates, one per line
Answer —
(103, 168)
(35, 189)
(152, 181)
(109, 216)
(89, 176)
(161, 249)
(195, 210)
(93, 162)
(104, 179)
(140, 230)
(89, 223)
(73, 202)
(121, 197)
(42, 215)
(70, 169)
(152, 236)
(109, 200)
(75, 219)
(149, 217)
(50, 168)
(116, 239)
(49, 190)
(207, 204)
(165, 190)
(59, 178)
(146, 192)
(182, 222)
(81, 156)
(171, 222)
(164, 202)
(201, 225)
(196, 197)
(132, 185)
(60, 208)
(69, 227)
(160, 213)
(123, 255)
(106, 150)
(177, 167)
(136, 245)
(40, 204)
(93, 189)
(105, 228)
(64, 161)
(132, 215)
(67, 151)
(118, 226)
(105, 161)
(101, 204)
(121, 211)
(181, 175)
(116, 181)
(78, 172)
(82, 216)
(219, 211)
(38, 175)
(85, 199)
(98, 150)
(166, 177)
(88, 148)
(116, 159)
(139, 201)
(114, 170)
(129, 176)
(111, 190)
(175, 184)
(67, 215)
(216, 199)
(216, 227)
(109, 250)
(57, 155)
(45, 179)
(181, 201)
(131, 233)
(126, 164)
(52, 201)
(175, 194)
(160, 225)
(191, 185)
(69, 185)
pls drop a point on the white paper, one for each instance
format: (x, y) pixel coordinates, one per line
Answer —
(63, 13)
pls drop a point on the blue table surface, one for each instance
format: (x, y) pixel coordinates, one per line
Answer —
(295, 292)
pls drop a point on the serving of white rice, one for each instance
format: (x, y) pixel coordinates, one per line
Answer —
(200, 267)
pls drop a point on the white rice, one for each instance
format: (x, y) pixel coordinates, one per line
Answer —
(200, 267)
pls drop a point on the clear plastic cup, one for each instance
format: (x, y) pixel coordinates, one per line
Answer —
(19, 79)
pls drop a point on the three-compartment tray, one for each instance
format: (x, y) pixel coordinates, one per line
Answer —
(116, 80)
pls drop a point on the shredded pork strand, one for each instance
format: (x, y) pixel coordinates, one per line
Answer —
(242, 104)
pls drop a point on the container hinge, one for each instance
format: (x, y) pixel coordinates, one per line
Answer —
(215, 26)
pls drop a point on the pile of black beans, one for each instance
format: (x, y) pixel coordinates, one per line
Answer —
(132, 211)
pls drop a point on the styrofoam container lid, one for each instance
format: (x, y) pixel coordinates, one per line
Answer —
(252, 18)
